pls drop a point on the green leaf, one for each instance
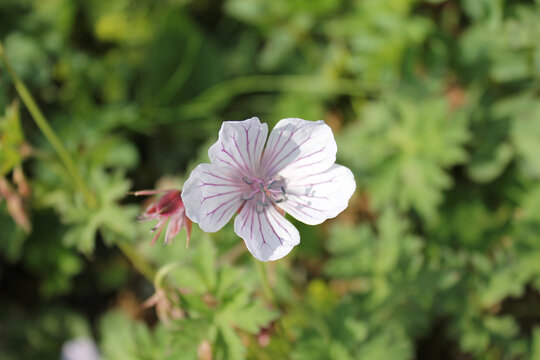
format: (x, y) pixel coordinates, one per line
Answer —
(535, 355)
(110, 219)
(11, 139)
(488, 163)
(360, 252)
(246, 315)
(233, 348)
(406, 147)
(391, 344)
(14, 236)
(125, 338)
(205, 262)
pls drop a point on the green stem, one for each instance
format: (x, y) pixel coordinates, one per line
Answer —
(182, 72)
(263, 275)
(138, 262)
(211, 99)
(269, 295)
(162, 272)
(49, 133)
(127, 249)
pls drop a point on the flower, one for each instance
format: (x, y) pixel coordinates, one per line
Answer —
(295, 173)
(168, 208)
(82, 348)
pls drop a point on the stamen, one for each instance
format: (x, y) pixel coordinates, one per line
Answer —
(264, 195)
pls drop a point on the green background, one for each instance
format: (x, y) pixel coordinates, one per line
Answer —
(435, 106)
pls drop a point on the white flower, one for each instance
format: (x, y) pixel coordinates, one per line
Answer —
(296, 173)
(82, 348)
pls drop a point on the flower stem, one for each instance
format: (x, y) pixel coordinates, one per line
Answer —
(127, 249)
(217, 96)
(138, 262)
(49, 133)
(263, 275)
(262, 270)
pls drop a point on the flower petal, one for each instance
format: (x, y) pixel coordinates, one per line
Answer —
(176, 222)
(239, 146)
(211, 196)
(314, 198)
(298, 147)
(268, 235)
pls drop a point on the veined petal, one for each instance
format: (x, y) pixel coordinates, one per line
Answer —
(211, 196)
(239, 146)
(268, 235)
(298, 146)
(176, 222)
(314, 198)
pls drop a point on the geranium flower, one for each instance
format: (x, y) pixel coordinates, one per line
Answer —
(296, 173)
(169, 208)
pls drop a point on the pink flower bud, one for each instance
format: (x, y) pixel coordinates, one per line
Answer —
(168, 209)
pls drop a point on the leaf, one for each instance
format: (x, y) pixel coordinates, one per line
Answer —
(525, 133)
(125, 338)
(39, 333)
(11, 246)
(511, 67)
(45, 256)
(360, 252)
(391, 344)
(233, 348)
(246, 315)
(406, 148)
(205, 262)
(113, 221)
(536, 344)
(11, 139)
(486, 167)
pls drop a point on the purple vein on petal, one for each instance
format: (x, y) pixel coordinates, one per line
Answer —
(280, 224)
(275, 165)
(273, 230)
(306, 195)
(255, 147)
(292, 193)
(248, 151)
(240, 166)
(252, 221)
(221, 205)
(274, 154)
(224, 212)
(220, 177)
(310, 184)
(261, 232)
(247, 167)
(308, 155)
(220, 194)
(302, 205)
(212, 184)
(237, 169)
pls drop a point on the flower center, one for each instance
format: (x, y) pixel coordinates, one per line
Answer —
(265, 193)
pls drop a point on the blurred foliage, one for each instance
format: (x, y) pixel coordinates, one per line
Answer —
(436, 108)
